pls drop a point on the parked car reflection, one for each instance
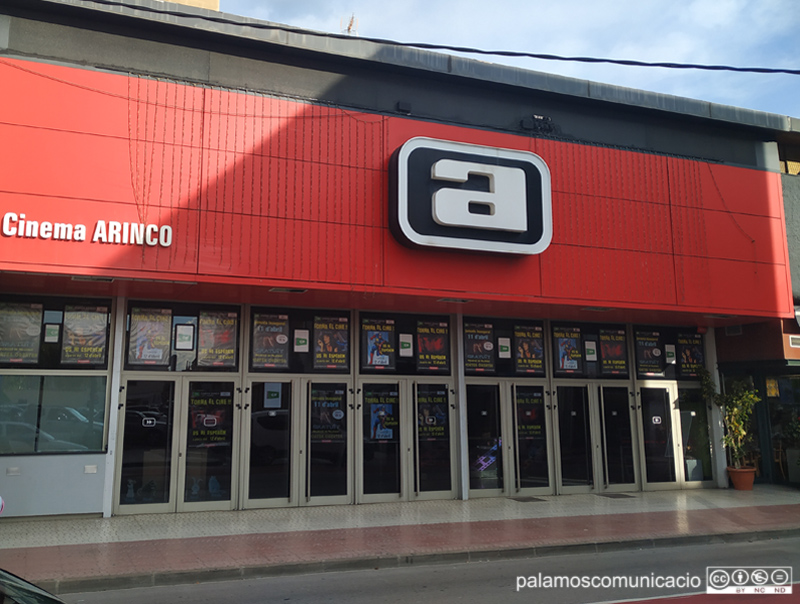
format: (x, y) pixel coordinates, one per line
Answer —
(20, 437)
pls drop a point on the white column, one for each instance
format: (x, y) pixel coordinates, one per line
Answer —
(718, 455)
(114, 399)
(461, 406)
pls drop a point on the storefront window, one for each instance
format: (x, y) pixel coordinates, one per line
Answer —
(668, 352)
(182, 337)
(54, 333)
(51, 413)
(783, 398)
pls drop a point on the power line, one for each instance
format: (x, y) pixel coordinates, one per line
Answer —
(462, 49)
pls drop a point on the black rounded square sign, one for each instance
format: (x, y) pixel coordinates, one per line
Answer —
(470, 197)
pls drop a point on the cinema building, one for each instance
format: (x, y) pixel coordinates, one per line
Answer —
(246, 266)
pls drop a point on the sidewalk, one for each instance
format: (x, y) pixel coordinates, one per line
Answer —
(67, 555)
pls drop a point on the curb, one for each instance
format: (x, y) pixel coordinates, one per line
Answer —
(166, 578)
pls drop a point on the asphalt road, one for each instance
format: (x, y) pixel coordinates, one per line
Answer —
(522, 580)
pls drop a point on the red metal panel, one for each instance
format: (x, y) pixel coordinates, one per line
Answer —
(297, 193)
(603, 277)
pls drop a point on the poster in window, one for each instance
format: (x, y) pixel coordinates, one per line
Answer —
(20, 332)
(691, 359)
(331, 343)
(650, 357)
(378, 344)
(433, 348)
(271, 341)
(613, 352)
(530, 413)
(529, 349)
(569, 356)
(150, 336)
(217, 341)
(211, 416)
(84, 338)
(432, 413)
(478, 348)
(328, 415)
(383, 421)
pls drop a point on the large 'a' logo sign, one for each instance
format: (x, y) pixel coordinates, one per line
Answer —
(470, 197)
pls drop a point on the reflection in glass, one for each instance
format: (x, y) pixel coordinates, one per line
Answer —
(52, 414)
(657, 424)
(73, 411)
(617, 440)
(381, 439)
(327, 434)
(270, 440)
(433, 438)
(531, 431)
(574, 436)
(484, 439)
(696, 441)
(147, 442)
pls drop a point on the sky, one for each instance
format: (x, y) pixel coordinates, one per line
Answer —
(741, 33)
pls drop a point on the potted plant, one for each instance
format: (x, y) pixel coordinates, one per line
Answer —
(793, 450)
(737, 406)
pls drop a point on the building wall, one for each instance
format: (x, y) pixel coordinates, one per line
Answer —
(52, 484)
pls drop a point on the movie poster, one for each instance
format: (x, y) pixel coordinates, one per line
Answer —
(151, 330)
(691, 359)
(530, 413)
(613, 352)
(20, 332)
(529, 349)
(432, 413)
(271, 340)
(210, 417)
(433, 346)
(85, 336)
(217, 342)
(478, 348)
(331, 343)
(650, 357)
(569, 356)
(378, 344)
(328, 421)
(382, 408)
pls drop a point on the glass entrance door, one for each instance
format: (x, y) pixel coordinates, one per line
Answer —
(657, 416)
(178, 444)
(509, 443)
(404, 451)
(617, 439)
(596, 438)
(326, 459)
(576, 427)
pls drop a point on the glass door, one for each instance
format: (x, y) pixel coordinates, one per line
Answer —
(433, 449)
(620, 464)
(146, 468)
(657, 416)
(326, 455)
(178, 445)
(405, 448)
(531, 430)
(509, 442)
(485, 440)
(576, 439)
(383, 427)
(695, 437)
(270, 437)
